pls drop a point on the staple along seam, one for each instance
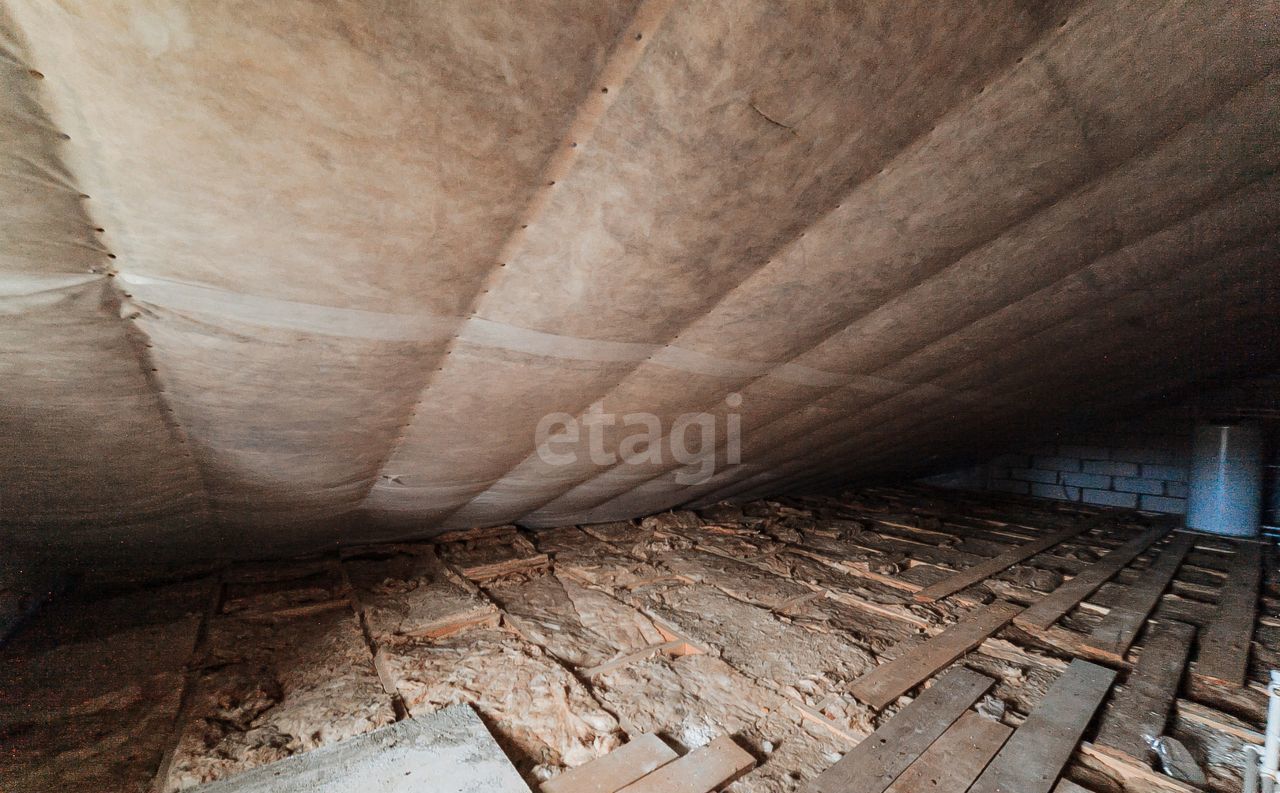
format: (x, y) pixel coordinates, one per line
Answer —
(219, 304)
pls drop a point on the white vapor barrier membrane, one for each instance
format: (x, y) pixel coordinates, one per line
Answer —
(1238, 130)
(484, 403)
(629, 417)
(638, 249)
(89, 457)
(306, 228)
(283, 422)
(316, 271)
(219, 305)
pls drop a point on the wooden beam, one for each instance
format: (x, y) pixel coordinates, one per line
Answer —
(616, 770)
(1061, 600)
(1067, 786)
(700, 771)
(1114, 635)
(983, 570)
(891, 680)
(1142, 708)
(1224, 645)
(1131, 775)
(873, 765)
(955, 759)
(1032, 759)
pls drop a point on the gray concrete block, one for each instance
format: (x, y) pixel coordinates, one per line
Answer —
(1110, 468)
(1147, 455)
(1171, 473)
(449, 751)
(1109, 498)
(1034, 475)
(1176, 506)
(1085, 452)
(1010, 486)
(1175, 489)
(1129, 484)
(1096, 481)
(1057, 463)
(1049, 491)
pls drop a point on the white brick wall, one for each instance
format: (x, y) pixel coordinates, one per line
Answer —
(1142, 464)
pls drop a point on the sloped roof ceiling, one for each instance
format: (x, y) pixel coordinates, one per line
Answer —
(275, 275)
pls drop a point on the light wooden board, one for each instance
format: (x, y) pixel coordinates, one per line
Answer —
(1113, 636)
(1224, 645)
(1142, 708)
(1061, 600)
(990, 567)
(873, 765)
(891, 680)
(616, 770)
(955, 759)
(1032, 759)
(700, 771)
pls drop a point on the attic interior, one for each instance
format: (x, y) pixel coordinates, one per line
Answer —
(639, 395)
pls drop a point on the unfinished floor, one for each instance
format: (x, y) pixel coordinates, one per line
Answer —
(759, 621)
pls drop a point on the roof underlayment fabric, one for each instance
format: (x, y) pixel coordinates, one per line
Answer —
(280, 275)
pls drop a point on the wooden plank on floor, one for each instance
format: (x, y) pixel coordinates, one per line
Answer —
(1032, 759)
(1048, 609)
(1142, 707)
(984, 570)
(700, 771)
(1067, 786)
(891, 680)
(955, 759)
(873, 765)
(1131, 775)
(1113, 636)
(616, 770)
(1224, 644)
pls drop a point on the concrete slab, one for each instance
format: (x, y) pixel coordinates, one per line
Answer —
(449, 751)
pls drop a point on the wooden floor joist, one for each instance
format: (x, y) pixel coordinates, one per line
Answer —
(874, 764)
(1061, 600)
(1032, 759)
(891, 680)
(990, 567)
(616, 770)
(955, 759)
(1142, 707)
(700, 771)
(1113, 636)
(1224, 644)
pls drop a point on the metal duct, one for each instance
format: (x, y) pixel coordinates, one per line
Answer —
(1226, 479)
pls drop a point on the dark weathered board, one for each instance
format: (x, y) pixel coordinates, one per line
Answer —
(990, 567)
(1032, 759)
(873, 765)
(1224, 644)
(1061, 600)
(1116, 632)
(955, 759)
(891, 680)
(1142, 707)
